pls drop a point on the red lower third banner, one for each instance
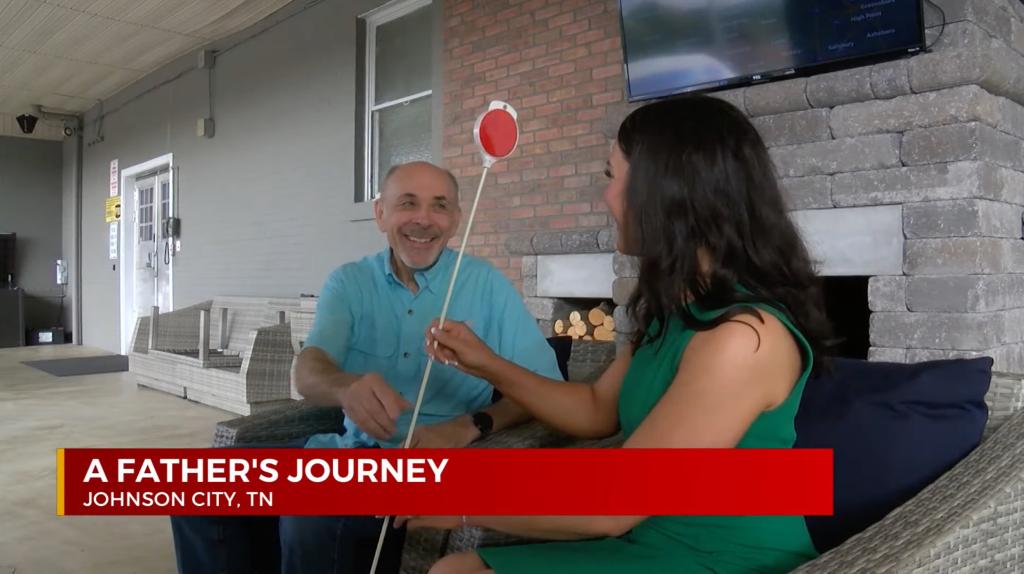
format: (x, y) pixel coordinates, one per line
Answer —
(468, 481)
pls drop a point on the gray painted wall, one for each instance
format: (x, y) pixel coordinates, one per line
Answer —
(30, 205)
(267, 205)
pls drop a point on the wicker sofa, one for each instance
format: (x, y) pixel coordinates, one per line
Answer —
(969, 520)
(234, 353)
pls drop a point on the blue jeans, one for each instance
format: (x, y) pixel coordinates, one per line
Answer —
(283, 545)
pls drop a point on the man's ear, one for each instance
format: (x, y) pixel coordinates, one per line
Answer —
(458, 219)
(378, 212)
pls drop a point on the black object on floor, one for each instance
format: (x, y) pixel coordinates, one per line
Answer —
(81, 365)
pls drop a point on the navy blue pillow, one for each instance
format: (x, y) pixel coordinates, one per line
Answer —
(894, 428)
(562, 346)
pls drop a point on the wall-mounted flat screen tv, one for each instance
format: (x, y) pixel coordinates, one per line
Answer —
(676, 46)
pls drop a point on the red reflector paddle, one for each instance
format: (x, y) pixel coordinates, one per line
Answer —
(496, 132)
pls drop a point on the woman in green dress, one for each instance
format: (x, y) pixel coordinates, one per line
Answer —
(729, 324)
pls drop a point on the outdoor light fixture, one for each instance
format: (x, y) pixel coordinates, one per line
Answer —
(27, 123)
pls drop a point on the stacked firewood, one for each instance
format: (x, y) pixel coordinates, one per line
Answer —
(594, 324)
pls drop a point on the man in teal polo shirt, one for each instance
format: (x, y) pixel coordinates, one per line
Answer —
(366, 355)
(366, 350)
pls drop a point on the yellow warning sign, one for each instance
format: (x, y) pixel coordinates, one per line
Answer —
(113, 209)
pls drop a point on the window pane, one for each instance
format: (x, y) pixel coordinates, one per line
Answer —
(145, 213)
(165, 200)
(403, 135)
(403, 56)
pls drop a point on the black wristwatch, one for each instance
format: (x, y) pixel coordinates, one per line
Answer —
(483, 423)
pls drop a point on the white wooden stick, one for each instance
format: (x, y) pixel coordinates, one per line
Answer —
(430, 360)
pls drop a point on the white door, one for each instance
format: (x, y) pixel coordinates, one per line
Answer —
(152, 250)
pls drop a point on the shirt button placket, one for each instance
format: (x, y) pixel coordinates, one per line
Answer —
(406, 354)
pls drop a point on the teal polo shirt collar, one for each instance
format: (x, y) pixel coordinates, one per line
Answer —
(429, 278)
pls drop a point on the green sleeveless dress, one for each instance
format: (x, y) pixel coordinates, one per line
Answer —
(683, 544)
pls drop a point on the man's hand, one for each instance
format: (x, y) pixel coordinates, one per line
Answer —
(456, 433)
(373, 405)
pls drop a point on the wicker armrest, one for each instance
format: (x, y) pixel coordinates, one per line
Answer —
(287, 422)
(972, 515)
(536, 435)
(268, 363)
(529, 435)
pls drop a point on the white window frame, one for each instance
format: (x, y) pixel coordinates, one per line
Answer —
(382, 15)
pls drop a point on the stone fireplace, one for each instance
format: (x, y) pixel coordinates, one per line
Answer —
(578, 270)
(908, 175)
(566, 271)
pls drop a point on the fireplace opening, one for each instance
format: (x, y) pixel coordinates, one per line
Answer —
(595, 319)
(584, 319)
(846, 304)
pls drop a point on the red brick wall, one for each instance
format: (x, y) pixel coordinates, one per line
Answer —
(559, 63)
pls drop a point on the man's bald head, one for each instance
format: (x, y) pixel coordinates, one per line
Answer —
(418, 171)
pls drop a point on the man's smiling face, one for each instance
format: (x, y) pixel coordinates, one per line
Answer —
(418, 210)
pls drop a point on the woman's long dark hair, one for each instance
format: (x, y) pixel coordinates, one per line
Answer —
(701, 181)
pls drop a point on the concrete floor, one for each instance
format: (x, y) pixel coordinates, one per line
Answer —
(38, 414)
